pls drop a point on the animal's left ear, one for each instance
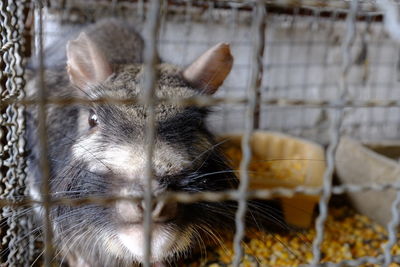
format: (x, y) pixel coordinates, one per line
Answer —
(209, 71)
(86, 64)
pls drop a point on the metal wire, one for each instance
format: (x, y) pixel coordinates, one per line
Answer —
(204, 101)
(392, 230)
(391, 23)
(14, 222)
(337, 118)
(253, 92)
(12, 96)
(42, 132)
(153, 24)
(212, 196)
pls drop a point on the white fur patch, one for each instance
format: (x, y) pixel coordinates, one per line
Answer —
(129, 161)
(165, 242)
(86, 149)
(34, 192)
(36, 195)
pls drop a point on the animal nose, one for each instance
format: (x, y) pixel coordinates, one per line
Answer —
(161, 211)
(133, 212)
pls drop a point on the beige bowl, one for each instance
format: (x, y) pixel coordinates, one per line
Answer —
(280, 160)
(363, 165)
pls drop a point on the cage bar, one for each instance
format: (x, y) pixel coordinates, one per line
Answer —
(42, 132)
(392, 231)
(337, 119)
(251, 114)
(153, 24)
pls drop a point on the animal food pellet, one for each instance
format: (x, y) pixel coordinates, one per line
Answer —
(348, 235)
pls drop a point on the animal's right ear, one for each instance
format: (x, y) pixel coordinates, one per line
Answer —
(209, 71)
(86, 64)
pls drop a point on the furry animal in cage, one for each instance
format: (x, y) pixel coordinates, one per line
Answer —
(99, 150)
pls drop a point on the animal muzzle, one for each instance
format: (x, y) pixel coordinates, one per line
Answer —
(133, 211)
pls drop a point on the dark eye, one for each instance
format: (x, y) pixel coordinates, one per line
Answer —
(93, 120)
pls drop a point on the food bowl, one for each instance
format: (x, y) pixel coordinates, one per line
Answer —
(280, 160)
(366, 164)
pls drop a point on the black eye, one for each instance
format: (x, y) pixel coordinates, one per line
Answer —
(93, 121)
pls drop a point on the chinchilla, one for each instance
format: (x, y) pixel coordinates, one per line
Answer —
(99, 149)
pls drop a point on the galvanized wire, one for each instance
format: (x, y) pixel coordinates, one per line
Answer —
(337, 118)
(212, 196)
(206, 101)
(43, 145)
(253, 92)
(392, 231)
(150, 56)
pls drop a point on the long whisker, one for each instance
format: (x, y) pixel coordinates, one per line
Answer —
(200, 242)
(267, 214)
(209, 149)
(65, 232)
(73, 165)
(18, 214)
(216, 238)
(37, 258)
(213, 173)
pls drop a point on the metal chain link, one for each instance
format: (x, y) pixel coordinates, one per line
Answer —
(17, 248)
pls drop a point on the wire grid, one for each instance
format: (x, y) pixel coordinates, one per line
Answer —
(300, 42)
(335, 110)
(294, 76)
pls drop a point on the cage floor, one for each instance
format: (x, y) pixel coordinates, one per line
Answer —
(348, 235)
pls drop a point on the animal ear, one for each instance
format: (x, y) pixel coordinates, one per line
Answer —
(86, 64)
(209, 71)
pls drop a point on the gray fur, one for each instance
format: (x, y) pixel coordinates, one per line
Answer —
(110, 158)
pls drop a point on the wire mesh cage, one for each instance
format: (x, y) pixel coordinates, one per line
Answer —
(316, 70)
